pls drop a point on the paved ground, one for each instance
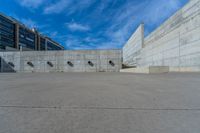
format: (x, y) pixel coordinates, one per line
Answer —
(99, 103)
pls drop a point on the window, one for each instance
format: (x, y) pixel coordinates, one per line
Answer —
(26, 38)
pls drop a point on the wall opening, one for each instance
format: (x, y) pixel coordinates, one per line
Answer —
(30, 64)
(90, 63)
(50, 64)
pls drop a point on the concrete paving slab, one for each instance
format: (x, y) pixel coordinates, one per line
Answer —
(99, 103)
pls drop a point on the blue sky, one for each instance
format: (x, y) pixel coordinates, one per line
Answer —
(91, 24)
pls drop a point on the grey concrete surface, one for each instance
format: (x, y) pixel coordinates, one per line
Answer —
(79, 59)
(131, 50)
(176, 43)
(99, 103)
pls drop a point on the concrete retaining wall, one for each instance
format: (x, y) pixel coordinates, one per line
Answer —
(131, 50)
(61, 61)
(176, 43)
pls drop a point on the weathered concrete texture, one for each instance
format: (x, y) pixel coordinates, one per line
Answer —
(147, 70)
(63, 61)
(136, 70)
(158, 69)
(99, 103)
(176, 43)
(132, 48)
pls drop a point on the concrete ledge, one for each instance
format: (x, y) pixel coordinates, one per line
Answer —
(136, 70)
(184, 69)
(147, 70)
(158, 69)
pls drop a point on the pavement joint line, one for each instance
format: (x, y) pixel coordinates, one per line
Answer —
(102, 108)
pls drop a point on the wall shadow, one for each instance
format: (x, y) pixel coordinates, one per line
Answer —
(6, 67)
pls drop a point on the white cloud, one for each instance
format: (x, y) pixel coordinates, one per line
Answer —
(53, 34)
(70, 5)
(84, 3)
(29, 23)
(107, 45)
(31, 3)
(57, 7)
(78, 43)
(159, 10)
(123, 23)
(92, 40)
(77, 27)
(126, 20)
(26, 21)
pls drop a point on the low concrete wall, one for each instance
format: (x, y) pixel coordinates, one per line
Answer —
(158, 69)
(62, 61)
(147, 70)
(144, 70)
(176, 43)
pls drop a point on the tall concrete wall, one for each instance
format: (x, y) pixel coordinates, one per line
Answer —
(132, 48)
(61, 61)
(176, 43)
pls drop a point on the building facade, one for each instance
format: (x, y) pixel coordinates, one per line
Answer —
(7, 33)
(15, 36)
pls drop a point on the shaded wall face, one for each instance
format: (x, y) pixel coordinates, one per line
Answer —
(176, 43)
(132, 48)
(65, 61)
(6, 62)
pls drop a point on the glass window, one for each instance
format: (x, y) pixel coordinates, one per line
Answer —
(52, 46)
(26, 38)
(6, 33)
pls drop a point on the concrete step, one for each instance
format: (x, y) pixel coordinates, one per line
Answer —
(147, 70)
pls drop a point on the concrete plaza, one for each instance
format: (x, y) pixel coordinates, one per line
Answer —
(99, 103)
